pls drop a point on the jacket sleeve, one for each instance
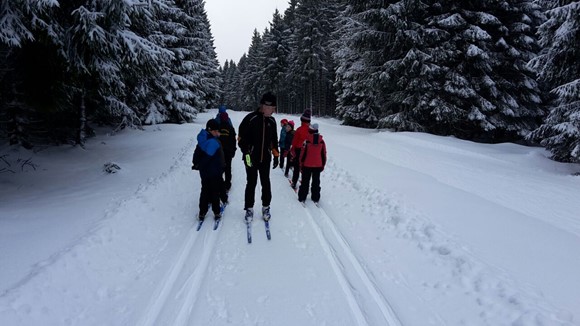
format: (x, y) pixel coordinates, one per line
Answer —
(242, 135)
(275, 151)
(323, 153)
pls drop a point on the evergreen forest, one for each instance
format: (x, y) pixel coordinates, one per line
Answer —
(487, 70)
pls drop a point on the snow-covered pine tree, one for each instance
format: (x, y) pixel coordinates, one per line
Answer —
(274, 59)
(251, 74)
(488, 93)
(182, 98)
(311, 68)
(144, 60)
(26, 26)
(237, 94)
(21, 17)
(94, 69)
(206, 58)
(288, 94)
(367, 45)
(558, 67)
(228, 85)
(454, 68)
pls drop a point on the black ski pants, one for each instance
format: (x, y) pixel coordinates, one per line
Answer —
(307, 174)
(263, 169)
(296, 166)
(228, 173)
(211, 190)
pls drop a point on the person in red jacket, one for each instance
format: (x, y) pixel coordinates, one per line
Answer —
(312, 162)
(299, 137)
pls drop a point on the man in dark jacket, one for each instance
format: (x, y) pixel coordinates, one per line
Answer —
(209, 159)
(258, 141)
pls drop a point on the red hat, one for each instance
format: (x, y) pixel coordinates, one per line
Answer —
(284, 121)
(291, 123)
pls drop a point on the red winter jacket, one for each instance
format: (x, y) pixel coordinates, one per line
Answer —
(299, 137)
(313, 154)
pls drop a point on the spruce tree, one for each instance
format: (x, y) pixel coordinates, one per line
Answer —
(558, 67)
(251, 73)
(274, 58)
(456, 68)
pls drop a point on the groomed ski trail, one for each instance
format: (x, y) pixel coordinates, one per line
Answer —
(186, 293)
(353, 278)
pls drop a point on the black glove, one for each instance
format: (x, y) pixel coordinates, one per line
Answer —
(276, 161)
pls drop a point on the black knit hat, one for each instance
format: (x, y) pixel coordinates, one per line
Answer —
(306, 115)
(268, 99)
(212, 124)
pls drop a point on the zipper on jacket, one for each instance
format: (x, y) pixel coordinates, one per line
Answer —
(263, 138)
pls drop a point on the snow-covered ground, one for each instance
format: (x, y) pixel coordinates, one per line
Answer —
(413, 229)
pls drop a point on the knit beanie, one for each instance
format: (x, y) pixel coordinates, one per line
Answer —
(222, 108)
(268, 99)
(306, 115)
(314, 127)
(291, 123)
(212, 124)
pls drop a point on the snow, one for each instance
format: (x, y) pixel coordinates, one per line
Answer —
(413, 229)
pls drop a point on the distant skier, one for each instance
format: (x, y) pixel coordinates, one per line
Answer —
(287, 144)
(281, 141)
(312, 162)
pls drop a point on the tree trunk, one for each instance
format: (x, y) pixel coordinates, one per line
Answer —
(82, 136)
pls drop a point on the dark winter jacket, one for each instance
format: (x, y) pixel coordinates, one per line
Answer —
(313, 154)
(283, 139)
(258, 136)
(227, 137)
(288, 139)
(211, 160)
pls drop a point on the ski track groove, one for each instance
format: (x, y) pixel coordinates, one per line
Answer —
(343, 258)
(382, 303)
(191, 287)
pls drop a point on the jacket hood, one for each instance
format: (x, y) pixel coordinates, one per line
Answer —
(207, 142)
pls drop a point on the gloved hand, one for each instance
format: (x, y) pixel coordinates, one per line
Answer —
(248, 160)
(276, 161)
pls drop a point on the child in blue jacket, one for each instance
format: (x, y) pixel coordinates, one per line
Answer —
(208, 158)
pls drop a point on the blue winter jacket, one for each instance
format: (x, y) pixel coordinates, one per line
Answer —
(212, 162)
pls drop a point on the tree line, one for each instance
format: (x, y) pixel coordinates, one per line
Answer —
(485, 70)
(111, 62)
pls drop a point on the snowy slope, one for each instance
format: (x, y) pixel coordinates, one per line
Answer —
(413, 229)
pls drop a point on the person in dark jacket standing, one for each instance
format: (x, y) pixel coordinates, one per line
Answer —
(288, 143)
(209, 160)
(258, 142)
(282, 141)
(312, 162)
(228, 140)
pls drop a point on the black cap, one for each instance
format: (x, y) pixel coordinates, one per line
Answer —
(212, 125)
(268, 99)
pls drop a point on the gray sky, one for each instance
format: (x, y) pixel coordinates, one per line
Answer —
(233, 23)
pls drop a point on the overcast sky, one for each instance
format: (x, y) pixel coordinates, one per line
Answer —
(233, 23)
